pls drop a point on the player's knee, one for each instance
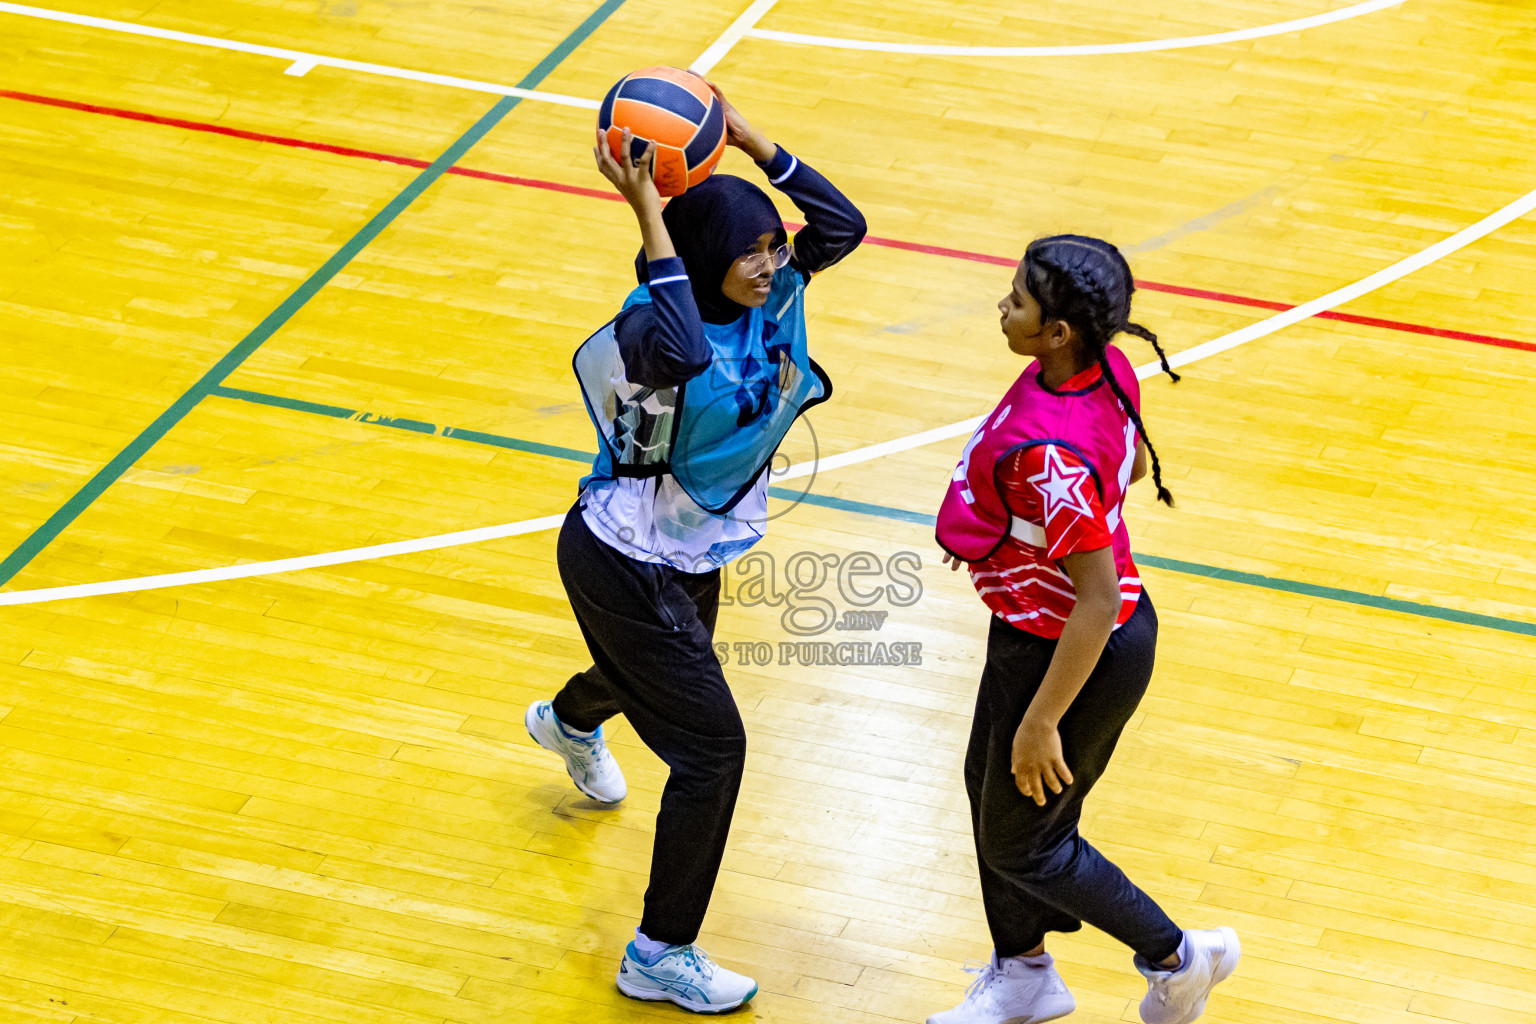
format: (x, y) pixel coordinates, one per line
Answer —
(714, 761)
(975, 780)
(998, 852)
(731, 753)
(1027, 856)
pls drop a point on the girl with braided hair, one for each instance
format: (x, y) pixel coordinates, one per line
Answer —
(1034, 510)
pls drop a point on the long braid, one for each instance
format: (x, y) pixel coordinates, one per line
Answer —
(1107, 325)
(1162, 357)
(1067, 277)
(1164, 495)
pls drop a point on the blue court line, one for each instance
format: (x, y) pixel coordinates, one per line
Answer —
(902, 515)
(124, 460)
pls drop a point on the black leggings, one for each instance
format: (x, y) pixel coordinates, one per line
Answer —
(1038, 874)
(650, 629)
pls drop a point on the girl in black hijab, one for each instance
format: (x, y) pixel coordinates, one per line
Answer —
(690, 388)
(710, 225)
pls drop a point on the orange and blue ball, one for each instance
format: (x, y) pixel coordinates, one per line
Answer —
(678, 113)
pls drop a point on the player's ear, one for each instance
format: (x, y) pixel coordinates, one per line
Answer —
(1059, 334)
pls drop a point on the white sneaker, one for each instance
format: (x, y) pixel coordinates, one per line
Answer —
(591, 767)
(686, 976)
(1010, 992)
(1178, 997)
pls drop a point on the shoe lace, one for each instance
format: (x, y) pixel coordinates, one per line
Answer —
(596, 760)
(586, 752)
(699, 960)
(986, 973)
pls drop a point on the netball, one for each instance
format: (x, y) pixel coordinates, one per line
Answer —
(674, 110)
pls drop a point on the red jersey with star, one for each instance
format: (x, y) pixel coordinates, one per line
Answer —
(1056, 510)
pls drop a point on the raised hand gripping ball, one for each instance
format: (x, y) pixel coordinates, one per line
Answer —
(678, 113)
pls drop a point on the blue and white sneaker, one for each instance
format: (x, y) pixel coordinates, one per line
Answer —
(686, 976)
(591, 767)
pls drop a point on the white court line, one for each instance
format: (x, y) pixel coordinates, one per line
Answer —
(731, 36)
(239, 572)
(1402, 268)
(300, 63)
(1089, 50)
(1519, 208)
(964, 427)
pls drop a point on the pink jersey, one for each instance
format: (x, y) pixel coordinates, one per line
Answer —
(1043, 477)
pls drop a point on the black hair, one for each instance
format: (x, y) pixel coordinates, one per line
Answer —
(1087, 283)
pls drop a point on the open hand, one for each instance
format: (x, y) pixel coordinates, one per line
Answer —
(1038, 761)
(953, 561)
(635, 179)
(739, 132)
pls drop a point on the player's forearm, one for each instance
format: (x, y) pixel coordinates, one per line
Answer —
(1082, 642)
(834, 227)
(653, 231)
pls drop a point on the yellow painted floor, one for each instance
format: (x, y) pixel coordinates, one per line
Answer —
(307, 797)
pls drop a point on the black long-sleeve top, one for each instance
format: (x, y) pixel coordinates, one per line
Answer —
(662, 343)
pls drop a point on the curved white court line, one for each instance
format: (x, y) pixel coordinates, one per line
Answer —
(1088, 50)
(1263, 328)
(1402, 268)
(300, 63)
(731, 36)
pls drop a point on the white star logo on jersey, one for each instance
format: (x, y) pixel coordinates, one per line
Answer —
(1061, 485)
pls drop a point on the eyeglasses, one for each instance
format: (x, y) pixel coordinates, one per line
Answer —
(757, 262)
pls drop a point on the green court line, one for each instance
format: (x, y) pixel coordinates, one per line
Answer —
(415, 426)
(1211, 572)
(862, 508)
(124, 460)
(1390, 604)
(534, 448)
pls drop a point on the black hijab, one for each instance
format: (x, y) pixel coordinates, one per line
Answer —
(712, 224)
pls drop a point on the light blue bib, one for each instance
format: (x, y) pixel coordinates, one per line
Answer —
(716, 433)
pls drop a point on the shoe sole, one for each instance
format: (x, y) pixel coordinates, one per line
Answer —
(1053, 1016)
(1033, 1019)
(653, 996)
(1229, 959)
(528, 724)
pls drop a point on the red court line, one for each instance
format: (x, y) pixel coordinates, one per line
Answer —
(281, 140)
(889, 243)
(1227, 297)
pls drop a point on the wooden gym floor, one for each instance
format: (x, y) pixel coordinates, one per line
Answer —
(246, 318)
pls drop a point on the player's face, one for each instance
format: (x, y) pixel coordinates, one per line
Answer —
(1021, 319)
(749, 285)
